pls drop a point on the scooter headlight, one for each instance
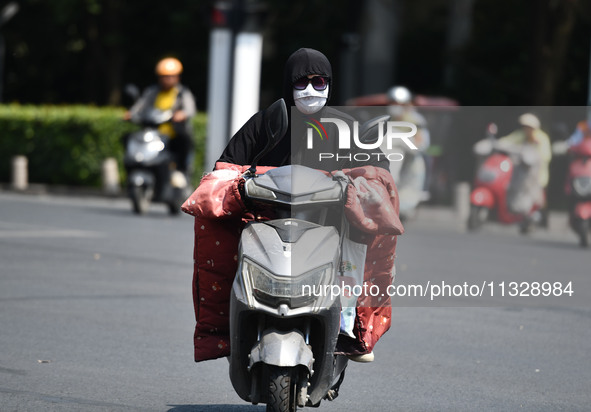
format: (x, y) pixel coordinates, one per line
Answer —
(296, 291)
(146, 149)
(486, 175)
(582, 186)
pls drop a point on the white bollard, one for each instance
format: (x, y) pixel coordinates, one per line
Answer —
(20, 173)
(462, 202)
(110, 175)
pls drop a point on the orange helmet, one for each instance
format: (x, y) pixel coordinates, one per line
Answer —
(169, 67)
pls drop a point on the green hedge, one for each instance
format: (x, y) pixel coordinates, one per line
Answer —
(66, 145)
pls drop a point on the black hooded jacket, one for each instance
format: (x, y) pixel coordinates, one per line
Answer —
(251, 138)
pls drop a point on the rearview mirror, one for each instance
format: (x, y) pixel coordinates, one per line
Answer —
(368, 131)
(276, 121)
(132, 91)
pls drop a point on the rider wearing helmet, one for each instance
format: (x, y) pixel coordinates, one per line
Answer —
(403, 109)
(531, 133)
(170, 94)
(582, 131)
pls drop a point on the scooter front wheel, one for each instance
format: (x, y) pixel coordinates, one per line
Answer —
(282, 390)
(174, 206)
(141, 197)
(478, 214)
(584, 233)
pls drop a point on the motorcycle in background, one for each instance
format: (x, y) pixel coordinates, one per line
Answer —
(410, 175)
(501, 184)
(578, 187)
(149, 164)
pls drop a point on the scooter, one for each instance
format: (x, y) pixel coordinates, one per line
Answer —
(500, 185)
(283, 333)
(410, 174)
(578, 188)
(149, 165)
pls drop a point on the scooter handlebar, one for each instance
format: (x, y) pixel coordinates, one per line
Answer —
(484, 147)
(559, 148)
(152, 118)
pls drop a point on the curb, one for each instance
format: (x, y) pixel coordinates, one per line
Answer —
(442, 216)
(37, 189)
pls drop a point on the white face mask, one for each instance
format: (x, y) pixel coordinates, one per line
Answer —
(309, 100)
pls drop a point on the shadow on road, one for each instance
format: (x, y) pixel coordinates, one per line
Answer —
(216, 408)
(156, 212)
(556, 244)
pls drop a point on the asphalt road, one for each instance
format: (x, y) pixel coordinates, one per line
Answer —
(96, 315)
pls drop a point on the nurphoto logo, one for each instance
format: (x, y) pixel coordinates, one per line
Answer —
(390, 134)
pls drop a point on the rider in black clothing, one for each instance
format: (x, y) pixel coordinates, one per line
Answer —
(307, 85)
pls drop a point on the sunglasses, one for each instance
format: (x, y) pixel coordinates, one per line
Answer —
(318, 83)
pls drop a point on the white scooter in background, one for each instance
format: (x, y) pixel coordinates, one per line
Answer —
(410, 175)
(151, 176)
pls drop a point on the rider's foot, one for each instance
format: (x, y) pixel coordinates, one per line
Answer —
(366, 357)
(544, 222)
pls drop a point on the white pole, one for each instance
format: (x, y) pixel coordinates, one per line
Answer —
(20, 174)
(220, 55)
(247, 77)
(462, 202)
(589, 90)
(110, 175)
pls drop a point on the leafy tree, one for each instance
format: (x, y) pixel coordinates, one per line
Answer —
(66, 51)
(84, 51)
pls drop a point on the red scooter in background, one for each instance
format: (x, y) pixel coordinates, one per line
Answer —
(500, 187)
(578, 187)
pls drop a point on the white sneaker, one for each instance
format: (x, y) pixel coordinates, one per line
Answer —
(364, 358)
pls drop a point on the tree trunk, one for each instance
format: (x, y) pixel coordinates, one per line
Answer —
(104, 60)
(114, 52)
(380, 30)
(553, 26)
(459, 31)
